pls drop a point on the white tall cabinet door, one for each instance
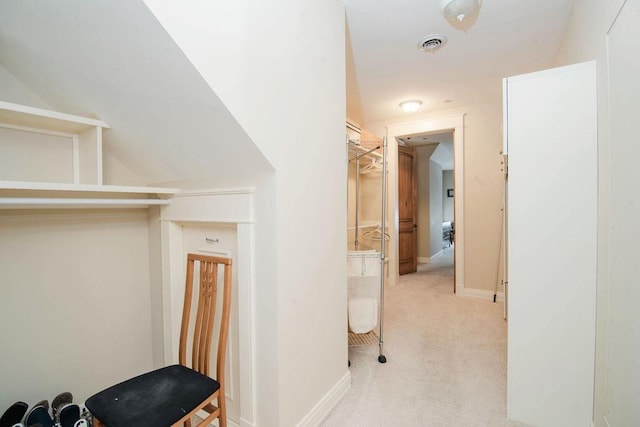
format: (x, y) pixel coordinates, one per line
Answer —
(220, 240)
(551, 140)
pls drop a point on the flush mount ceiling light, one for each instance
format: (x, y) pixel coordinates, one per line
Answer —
(411, 105)
(460, 13)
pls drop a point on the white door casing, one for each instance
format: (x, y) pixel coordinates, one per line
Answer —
(207, 208)
(438, 124)
(217, 240)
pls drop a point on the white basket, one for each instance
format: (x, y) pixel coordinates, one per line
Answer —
(363, 269)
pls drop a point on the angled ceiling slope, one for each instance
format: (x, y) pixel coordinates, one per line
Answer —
(114, 60)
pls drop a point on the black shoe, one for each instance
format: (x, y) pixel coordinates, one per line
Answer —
(68, 415)
(13, 415)
(38, 415)
(59, 401)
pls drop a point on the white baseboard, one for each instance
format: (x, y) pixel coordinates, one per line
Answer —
(425, 260)
(320, 411)
(481, 293)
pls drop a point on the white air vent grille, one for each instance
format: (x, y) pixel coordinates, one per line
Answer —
(432, 43)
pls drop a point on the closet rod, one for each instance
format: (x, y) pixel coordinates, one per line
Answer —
(357, 156)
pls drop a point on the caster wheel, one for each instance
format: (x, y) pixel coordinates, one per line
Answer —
(382, 359)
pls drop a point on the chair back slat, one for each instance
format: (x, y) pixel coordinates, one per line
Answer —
(224, 327)
(205, 314)
(210, 312)
(205, 317)
(186, 313)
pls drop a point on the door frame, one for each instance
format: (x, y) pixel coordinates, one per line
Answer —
(455, 123)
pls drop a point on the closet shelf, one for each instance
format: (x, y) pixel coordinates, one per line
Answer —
(84, 136)
(38, 118)
(54, 186)
(58, 202)
(18, 194)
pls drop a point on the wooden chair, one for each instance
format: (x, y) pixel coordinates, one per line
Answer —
(172, 395)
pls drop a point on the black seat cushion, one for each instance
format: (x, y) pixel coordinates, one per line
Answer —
(156, 399)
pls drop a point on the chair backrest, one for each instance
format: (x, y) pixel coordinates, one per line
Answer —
(203, 325)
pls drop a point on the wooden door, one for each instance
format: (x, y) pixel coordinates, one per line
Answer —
(407, 209)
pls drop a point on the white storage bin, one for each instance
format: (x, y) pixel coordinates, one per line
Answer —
(363, 269)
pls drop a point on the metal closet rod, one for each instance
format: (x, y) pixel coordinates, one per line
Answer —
(357, 156)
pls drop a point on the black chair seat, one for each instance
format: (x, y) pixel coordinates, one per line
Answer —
(156, 399)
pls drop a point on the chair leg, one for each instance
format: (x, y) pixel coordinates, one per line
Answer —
(222, 404)
(187, 423)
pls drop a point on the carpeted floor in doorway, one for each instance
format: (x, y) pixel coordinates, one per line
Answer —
(446, 359)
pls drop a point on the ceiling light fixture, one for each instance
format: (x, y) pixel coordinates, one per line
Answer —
(459, 10)
(411, 106)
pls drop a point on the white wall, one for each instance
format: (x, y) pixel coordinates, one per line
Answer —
(435, 207)
(429, 203)
(447, 202)
(35, 157)
(75, 303)
(58, 267)
(424, 211)
(289, 98)
(13, 90)
(608, 32)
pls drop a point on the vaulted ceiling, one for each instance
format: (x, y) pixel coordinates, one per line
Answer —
(114, 60)
(385, 67)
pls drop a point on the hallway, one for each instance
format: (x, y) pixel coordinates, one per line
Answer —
(446, 359)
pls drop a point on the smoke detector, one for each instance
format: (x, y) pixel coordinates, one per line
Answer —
(432, 43)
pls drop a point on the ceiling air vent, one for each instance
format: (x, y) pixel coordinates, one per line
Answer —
(432, 43)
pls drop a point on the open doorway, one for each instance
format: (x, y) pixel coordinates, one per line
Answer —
(426, 201)
(455, 123)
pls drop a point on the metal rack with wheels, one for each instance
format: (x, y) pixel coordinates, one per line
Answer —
(367, 251)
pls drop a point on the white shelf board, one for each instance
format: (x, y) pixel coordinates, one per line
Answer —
(42, 202)
(38, 118)
(90, 188)
(27, 195)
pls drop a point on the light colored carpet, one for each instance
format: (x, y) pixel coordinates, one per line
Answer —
(446, 359)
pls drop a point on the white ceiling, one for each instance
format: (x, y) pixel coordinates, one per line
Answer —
(115, 61)
(443, 154)
(509, 37)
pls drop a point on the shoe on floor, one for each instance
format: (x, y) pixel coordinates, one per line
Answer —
(59, 401)
(68, 415)
(13, 415)
(38, 415)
